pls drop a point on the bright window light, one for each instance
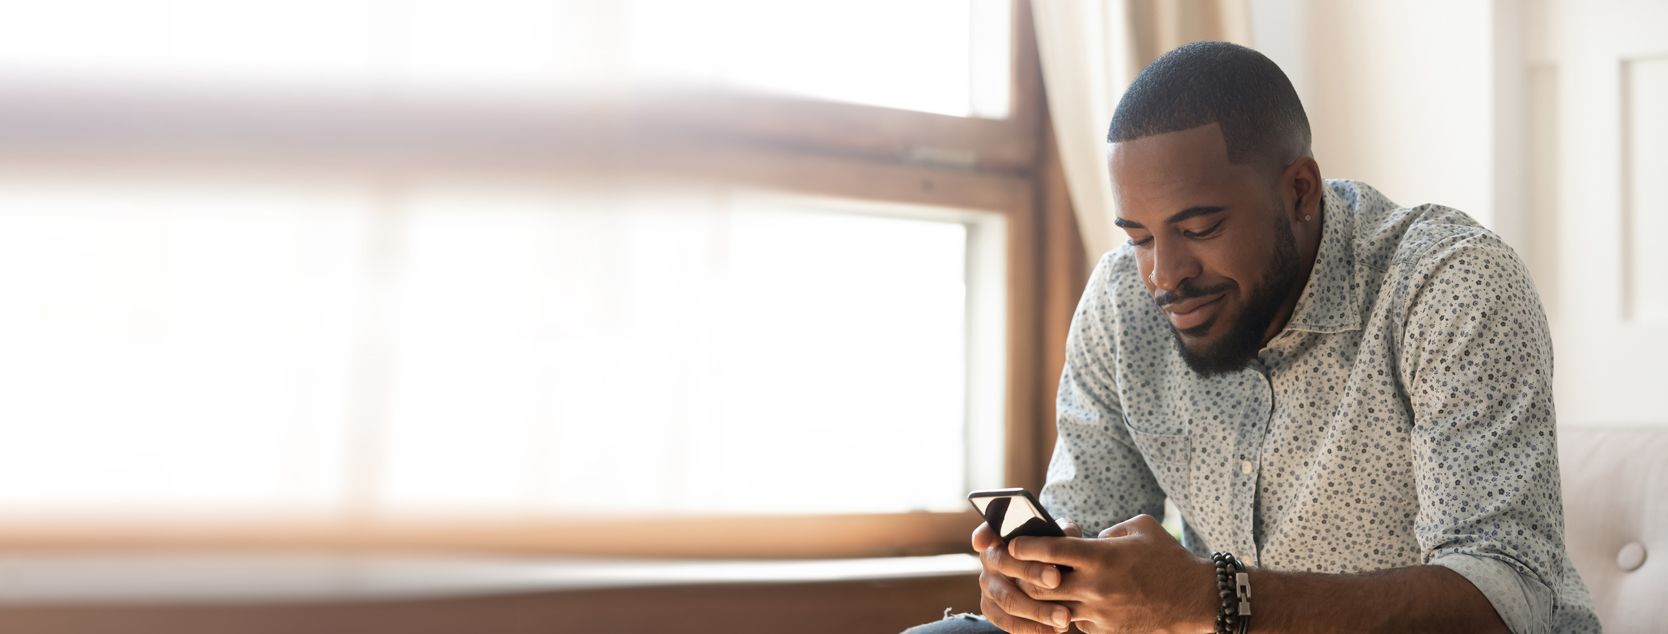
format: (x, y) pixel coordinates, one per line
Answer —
(383, 342)
(942, 56)
(430, 349)
(177, 346)
(695, 354)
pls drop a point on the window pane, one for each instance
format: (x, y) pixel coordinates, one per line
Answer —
(945, 56)
(268, 44)
(702, 354)
(443, 350)
(176, 347)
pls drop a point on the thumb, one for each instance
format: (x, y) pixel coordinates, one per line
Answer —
(1110, 531)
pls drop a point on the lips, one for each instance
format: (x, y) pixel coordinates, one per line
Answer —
(1186, 315)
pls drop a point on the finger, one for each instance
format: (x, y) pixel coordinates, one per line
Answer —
(1070, 527)
(996, 559)
(984, 537)
(1008, 598)
(993, 611)
(1040, 593)
(1066, 551)
(1016, 625)
(1139, 524)
(1013, 624)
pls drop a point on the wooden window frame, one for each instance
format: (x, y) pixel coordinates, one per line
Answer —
(791, 144)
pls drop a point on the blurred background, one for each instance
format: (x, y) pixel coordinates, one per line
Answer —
(369, 306)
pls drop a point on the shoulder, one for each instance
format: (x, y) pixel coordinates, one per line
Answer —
(1443, 278)
(1390, 236)
(1402, 249)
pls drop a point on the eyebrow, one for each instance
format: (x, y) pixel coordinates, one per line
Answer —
(1179, 216)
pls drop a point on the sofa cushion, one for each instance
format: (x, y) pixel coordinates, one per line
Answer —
(1615, 484)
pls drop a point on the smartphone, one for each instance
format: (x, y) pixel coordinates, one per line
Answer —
(1014, 513)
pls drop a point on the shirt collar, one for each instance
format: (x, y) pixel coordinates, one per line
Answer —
(1331, 300)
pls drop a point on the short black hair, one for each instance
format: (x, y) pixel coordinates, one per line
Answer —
(1217, 82)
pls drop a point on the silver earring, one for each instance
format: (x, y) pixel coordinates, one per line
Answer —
(1307, 218)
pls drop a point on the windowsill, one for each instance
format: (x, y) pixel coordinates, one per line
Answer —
(207, 578)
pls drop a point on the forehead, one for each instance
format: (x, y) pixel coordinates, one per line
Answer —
(1161, 174)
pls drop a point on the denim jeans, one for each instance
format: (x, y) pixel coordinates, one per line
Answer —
(956, 624)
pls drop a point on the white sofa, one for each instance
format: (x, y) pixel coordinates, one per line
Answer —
(1616, 521)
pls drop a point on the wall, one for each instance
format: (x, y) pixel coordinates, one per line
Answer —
(1474, 104)
(1399, 94)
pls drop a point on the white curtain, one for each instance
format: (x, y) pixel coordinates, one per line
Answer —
(1090, 51)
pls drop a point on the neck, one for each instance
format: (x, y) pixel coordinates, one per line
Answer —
(1308, 236)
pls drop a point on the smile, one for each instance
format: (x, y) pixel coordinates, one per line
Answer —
(1185, 317)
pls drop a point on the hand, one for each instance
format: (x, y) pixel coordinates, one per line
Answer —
(1135, 578)
(1001, 598)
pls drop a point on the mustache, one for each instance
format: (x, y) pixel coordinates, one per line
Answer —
(1188, 291)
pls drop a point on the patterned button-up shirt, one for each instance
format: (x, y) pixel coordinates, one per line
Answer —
(1403, 416)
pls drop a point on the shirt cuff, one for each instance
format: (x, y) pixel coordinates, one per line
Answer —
(1521, 600)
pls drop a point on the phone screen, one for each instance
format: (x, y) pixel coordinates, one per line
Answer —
(1014, 513)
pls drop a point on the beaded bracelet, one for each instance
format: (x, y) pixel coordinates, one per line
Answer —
(1233, 586)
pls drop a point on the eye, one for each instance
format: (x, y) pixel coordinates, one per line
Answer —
(1200, 234)
(1142, 242)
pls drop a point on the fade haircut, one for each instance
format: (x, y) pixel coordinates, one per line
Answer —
(1202, 83)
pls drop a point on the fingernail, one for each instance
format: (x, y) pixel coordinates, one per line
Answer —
(1050, 578)
(1060, 617)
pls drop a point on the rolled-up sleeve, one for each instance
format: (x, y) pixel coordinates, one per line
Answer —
(1096, 476)
(1478, 374)
(1521, 600)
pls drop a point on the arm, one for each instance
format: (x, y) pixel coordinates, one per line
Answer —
(1096, 476)
(1477, 369)
(1137, 576)
(1411, 599)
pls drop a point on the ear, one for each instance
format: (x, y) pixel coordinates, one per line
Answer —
(1301, 187)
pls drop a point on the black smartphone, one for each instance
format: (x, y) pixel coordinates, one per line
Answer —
(1014, 513)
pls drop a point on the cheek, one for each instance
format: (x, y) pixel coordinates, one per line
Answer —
(1215, 269)
(1244, 267)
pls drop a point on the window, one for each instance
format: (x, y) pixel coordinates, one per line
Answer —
(500, 349)
(725, 353)
(253, 292)
(942, 56)
(184, 346)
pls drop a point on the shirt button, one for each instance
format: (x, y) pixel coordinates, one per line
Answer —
(1245, 467)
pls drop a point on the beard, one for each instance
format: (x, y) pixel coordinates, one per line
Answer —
(1232, 350)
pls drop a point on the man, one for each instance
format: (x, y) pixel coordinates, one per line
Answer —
(1351, 397)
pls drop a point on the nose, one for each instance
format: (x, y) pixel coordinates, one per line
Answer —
(1171, 267)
